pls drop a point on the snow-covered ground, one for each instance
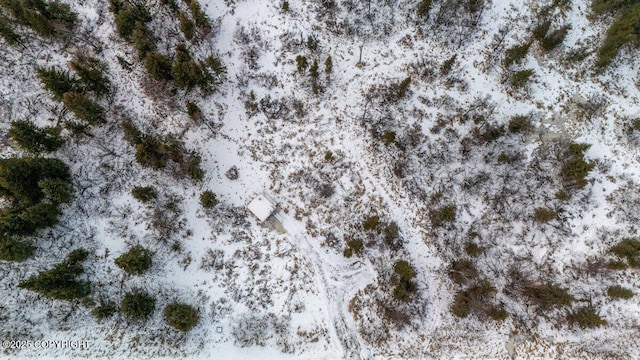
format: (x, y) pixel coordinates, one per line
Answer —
(284, 289)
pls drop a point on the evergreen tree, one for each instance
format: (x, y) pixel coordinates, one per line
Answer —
(328, 67)
(199, 16)
(156, 152)
(26, 221)
(84, 108)
(125, 21)
(143, 40)
(138, 305)
(144, 193)
(33, 139)
(105, 310)
(151, 152)
(182, 317)
(194, 111)
(619, 292)
(186, 72)
(14, 7)
(187, 26)
(424, 6)
(404, 270)
(354, 246)
(191, 166)
(447, 66)
(628, 249)
(136, 261)
(516, 53)
(301, 63)
(48, 19)
(14, 249)
(313, 70)
(56, 190)
(19, 177)
(61, 281)
(6, 31)
(371, 223)
(213, 73)
(61, 16)
(92, 74)
(208, 199)
(57, 82)
(586, 317)
(172, 5)
(26, 183)
(158, 66)
(520, 78)
(131, 133)
(391, 233)
(404, 274)
(403, 88)
(38, 22)
(127, 16)
(548, 295)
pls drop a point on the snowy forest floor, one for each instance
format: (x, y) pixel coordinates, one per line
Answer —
(387, 131)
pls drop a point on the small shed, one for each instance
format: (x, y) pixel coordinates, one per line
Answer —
(262, 207)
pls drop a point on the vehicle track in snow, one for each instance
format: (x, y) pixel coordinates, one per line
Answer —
(338, 283)
(407, 217)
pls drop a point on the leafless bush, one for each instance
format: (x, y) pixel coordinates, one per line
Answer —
(298, 108)
(251, 56)
(213, 260)
(166, 219)
(257, 329)
(273, 109)
(457, 20)
(590, 107)
(232, 173)
(249, 36)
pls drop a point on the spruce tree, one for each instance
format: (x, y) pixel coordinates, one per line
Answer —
(143, 40)
(56, 190)
(39, 23)
(19, 177)
(187, 26)
(136, 261)
(138, 305)
(33, 139)
(180, 316)
(14, 249)
(158, 66)
(404, 274)
(61, 281)
(328, 67)
(7, 32)
(186, 72)
(58, 82)
(34, 187)
(92, 74)
(144, 193)
(84, 108)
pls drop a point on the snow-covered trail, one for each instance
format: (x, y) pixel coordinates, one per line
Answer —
(423, 255)
(348, 93)
(338, 281)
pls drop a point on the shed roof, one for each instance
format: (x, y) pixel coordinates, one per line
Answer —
(262, 207)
